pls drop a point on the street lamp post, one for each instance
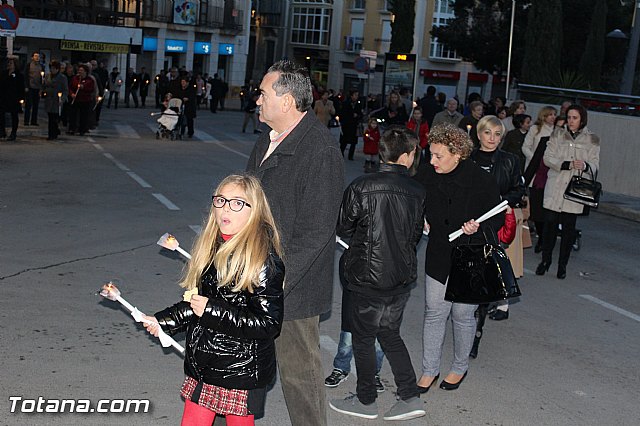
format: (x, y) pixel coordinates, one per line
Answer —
(513, 18)
(632, 54)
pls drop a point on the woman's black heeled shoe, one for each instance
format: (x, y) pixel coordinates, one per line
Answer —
(425, 389)
(452, 386)
(562, 272)
(542, 268)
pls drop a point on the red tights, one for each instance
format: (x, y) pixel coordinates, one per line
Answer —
(195, 415)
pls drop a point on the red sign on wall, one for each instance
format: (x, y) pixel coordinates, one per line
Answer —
(478, 76)
(437, 74)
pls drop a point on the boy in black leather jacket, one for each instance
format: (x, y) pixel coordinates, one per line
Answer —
(383, 214)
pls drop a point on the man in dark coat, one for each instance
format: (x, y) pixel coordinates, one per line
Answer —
(350, 117)
(217, 92)
(145, 82)
(302, 173)
(187, 93)
(430, 105)
(132, 82)
(11, 93)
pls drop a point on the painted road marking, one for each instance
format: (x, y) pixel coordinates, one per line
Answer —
(610, 306)
(138, 179)
(196, 228)
(165, 201)
(116, 162)
(126, 131)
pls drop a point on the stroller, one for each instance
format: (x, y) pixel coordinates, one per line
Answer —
(170, 120)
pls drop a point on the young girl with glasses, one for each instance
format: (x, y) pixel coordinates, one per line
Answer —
(235, 312)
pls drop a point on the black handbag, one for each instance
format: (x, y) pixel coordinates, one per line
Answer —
(583, 190)
(480, 273)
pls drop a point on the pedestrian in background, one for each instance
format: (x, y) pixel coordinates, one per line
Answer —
(69, 73)
(469, 123)
(450, 115)
(145, 82)
(250, 113)
(162, 83)
(131, 84)
(302, 173)
(187, 93)
(516, 107)
(35, 79)
(115, 83)
(56, 91)
(430, 106)
(371, 149)
(323, 108)
(350, 116)
(458, 190)
(571, 150)
(237, 274)
(382, 214)
(82, 92)
(102, 77)
(539, 133)
(12, 91)
(514, 139)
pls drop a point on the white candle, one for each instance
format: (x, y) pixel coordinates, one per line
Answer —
(494, 211)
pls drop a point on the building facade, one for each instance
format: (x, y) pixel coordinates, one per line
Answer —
(205, 36)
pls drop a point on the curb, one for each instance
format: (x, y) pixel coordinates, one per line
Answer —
(617, 210)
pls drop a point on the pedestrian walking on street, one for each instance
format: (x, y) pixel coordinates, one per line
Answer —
(56, 91)
(536, 171)
(35, 79)
(187, 93)
(236, 276)
(458, 190)
(382, 215)
(145, 82)
(115, 83)
(12, 92)
(571, 150)
(131, 85)
(81, 90)
(350, 117)
(250, 113)
(302, 173)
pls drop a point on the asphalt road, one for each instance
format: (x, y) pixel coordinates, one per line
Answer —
(81, 211)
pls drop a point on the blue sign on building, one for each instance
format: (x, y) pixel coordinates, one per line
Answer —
(201, 48)
(175, 46)
(149, 44)
(225, 49)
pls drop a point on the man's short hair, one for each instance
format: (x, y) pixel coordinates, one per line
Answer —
(395, 141)
(293, 79)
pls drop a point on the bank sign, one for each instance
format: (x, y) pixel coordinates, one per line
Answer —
(175, 46)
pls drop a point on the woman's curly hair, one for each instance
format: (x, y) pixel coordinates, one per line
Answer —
(454, 138)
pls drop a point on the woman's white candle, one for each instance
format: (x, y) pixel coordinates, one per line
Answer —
(494, 211)
(170, 242)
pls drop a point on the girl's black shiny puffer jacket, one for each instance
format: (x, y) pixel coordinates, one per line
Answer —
(232, 344)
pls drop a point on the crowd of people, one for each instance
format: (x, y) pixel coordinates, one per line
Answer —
(74, 94)
(261, 272)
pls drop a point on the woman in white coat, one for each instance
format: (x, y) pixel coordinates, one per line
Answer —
(571, 150)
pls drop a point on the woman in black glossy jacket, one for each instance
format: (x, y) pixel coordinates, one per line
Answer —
(233, 307)
(505, 169)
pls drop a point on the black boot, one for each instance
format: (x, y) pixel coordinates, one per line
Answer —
(476, 342)
(542, 268)
(562, 272)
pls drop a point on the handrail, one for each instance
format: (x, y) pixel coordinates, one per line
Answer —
(577, 91)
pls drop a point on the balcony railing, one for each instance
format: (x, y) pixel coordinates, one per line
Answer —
(97, 12)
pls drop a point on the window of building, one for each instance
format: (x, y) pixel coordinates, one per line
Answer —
(353, 42)
(358, 4)
(311, 25)
(442, 14)
(385, 39)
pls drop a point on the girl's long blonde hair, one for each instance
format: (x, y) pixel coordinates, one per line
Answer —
(239, 260)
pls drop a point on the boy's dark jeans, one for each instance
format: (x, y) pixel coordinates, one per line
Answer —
(380, 317)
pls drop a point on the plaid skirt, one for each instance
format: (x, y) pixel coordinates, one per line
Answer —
(217, 399)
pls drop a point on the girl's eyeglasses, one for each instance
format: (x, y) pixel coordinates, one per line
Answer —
(234, 204)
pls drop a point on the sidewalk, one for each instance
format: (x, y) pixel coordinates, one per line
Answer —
(619, 205)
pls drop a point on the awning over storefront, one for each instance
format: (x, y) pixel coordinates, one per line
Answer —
(37, 28)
